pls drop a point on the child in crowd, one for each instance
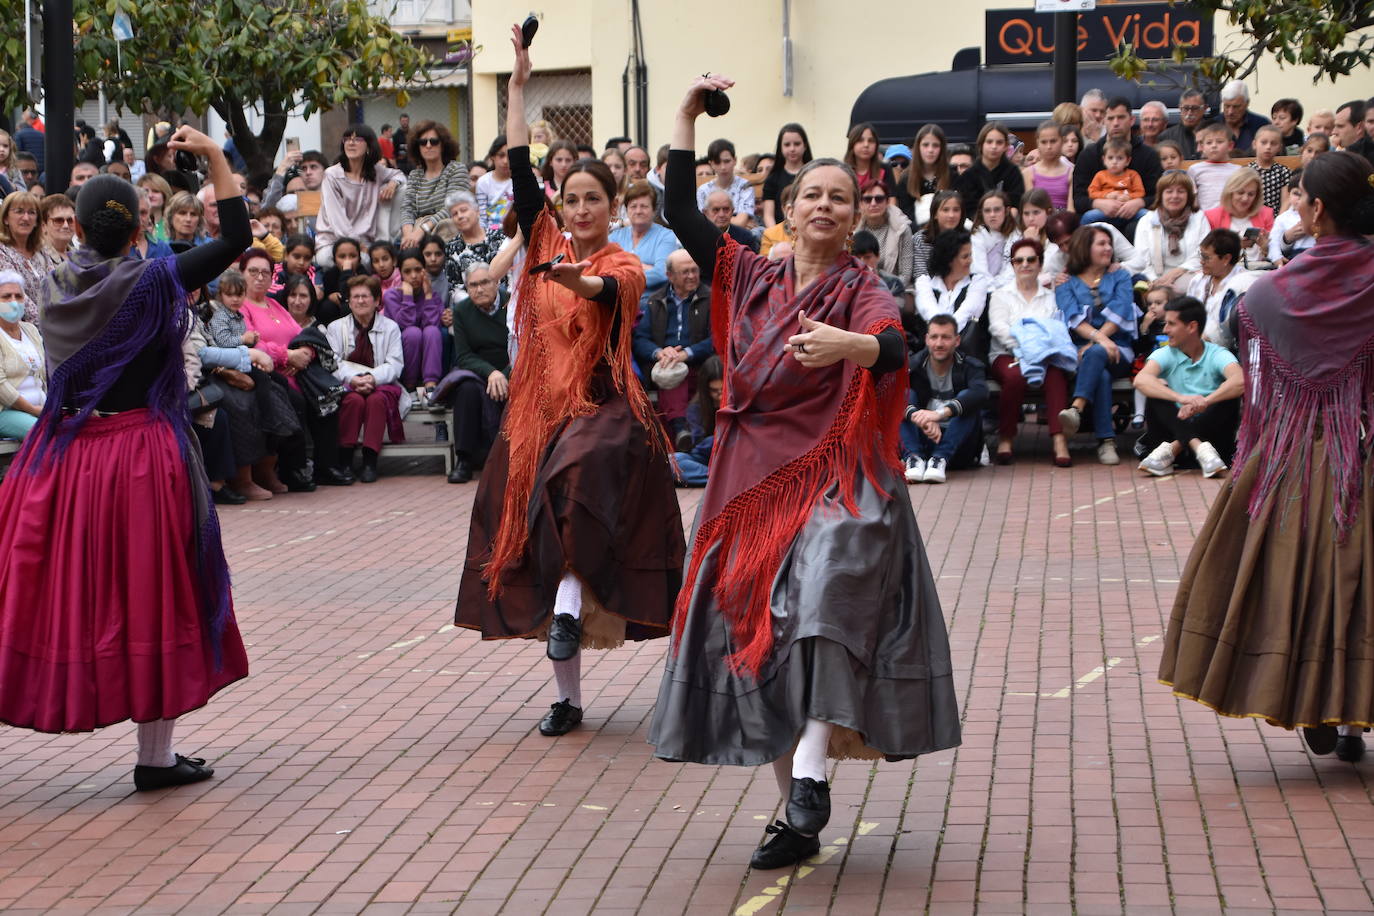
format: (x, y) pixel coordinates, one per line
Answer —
(693, 463)
(1322, 122)
(417, 308)
(1286, 115)
(348, 258)
(1051, 171)
(1117, 181)
(1072, 139)
(1289, 237)
(1274, 175)
(994, 229)
(1316, 145)
(227, 327)
(1151, 338)
(1209, 176)
(1170, 154)
(865, 247)
(433, 248)
(1035, 213)
(300, 259)
(383, 258)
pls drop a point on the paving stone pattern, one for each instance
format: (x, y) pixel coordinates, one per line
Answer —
(379, 760)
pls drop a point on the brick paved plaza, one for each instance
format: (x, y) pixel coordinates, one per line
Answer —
(379, 759)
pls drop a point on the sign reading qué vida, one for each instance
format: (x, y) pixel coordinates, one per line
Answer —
(1022, 37)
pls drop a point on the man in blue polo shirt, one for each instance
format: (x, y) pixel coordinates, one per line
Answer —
(1193, 390)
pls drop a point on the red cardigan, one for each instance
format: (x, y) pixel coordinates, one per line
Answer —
(1219, 218)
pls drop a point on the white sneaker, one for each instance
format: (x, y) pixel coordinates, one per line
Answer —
(1209, 460)
(915, 469)
(1160, 462)
(935, 471)
(1070, 419)
(1106, 452)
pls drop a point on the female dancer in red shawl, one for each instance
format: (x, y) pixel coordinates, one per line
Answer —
(808, 624)
(114, 594)
(1275, 611)
(576, 514)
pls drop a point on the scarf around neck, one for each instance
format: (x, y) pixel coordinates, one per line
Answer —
(784, 433)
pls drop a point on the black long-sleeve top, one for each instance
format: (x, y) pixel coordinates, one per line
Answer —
(701, 238)
(197, 266)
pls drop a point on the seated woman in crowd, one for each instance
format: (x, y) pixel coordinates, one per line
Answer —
(159, 192)
(348, 263)
(928, 174)
(644, 238)
(382, 259)
(863, 156)
(185, 221)
(1036, 210)
(262, 424)
(148, 245)
(21, 247)
(356, 188)
(23, 369)
(439, 174)
(1220, 283)
(370, 361)
(880, 216)
(1059, 228)
(952, 289)
(946, 213)
(417, 310)
(693, 462)
(1099, 308)
(1011, 362)
(298, 296)
(472, 243)
(1168, 237)
(57, 214)
(1051, 172)
(994, 229)
(1242, 210)
(992, 170)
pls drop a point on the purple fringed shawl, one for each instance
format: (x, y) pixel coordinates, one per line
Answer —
(98, 315)
(1307, 348)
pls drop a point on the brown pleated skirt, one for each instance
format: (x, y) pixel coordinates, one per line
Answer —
(604, 507)
(1274, 619)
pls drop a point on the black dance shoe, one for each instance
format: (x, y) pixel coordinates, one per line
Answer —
(565, 635)
(334, 477)
(227, 497)
(1350, 748)
(461, 473)
(298, 482)
(787, 848)
(184, 772)
(808, 805)
(1320, 740)
(561, 718)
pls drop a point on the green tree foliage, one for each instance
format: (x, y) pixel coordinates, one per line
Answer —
(1324, 34)
(278, 56)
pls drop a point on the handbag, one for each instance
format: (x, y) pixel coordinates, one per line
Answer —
(206, 397)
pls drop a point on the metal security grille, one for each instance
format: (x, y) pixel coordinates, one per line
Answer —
(562, 98)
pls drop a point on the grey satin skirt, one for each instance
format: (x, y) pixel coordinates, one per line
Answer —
(858, 641)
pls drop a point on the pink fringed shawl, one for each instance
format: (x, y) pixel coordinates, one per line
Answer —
(1307, 348)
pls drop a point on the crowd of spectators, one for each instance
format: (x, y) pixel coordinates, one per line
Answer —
(1038, 272)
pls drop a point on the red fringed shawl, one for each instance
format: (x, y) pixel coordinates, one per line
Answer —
(1307, 348)
(784, 433)
(562, 340)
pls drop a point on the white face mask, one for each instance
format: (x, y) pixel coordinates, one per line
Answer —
(12, 310)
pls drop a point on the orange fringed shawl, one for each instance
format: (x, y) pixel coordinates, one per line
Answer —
(784, 433)
(562, 340)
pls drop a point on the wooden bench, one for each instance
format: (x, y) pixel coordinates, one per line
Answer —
(420, 437)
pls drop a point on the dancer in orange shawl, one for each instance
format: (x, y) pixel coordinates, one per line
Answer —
(808, 625)
(576, 535)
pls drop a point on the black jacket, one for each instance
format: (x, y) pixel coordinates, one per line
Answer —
(1144, 160)
(321, 389)
(968, 377)
(979, 179)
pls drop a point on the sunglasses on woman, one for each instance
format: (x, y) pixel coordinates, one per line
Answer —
(874, 198)
(429, 141)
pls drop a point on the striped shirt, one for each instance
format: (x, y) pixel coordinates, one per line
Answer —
(425, 196)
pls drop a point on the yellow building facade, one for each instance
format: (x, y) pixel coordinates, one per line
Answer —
(838, 49)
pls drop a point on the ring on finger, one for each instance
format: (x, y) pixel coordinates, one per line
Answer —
(801, 348)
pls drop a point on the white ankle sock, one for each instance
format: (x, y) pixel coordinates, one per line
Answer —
(155, 743)
(567, 677)
(568, 600)
(808, 760)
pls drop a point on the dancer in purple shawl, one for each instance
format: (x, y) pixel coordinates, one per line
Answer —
(114, 593)
(1275, 612)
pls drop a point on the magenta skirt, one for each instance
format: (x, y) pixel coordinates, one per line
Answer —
(99, 598)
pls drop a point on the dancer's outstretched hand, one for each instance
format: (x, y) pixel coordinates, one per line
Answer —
(818, 344)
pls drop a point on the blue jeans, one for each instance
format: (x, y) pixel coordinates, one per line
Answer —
(1093, 383)
(690, 472)
(15, 424)
(915, 442)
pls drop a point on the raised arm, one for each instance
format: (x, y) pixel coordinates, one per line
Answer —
(694, 231)
(200, 265)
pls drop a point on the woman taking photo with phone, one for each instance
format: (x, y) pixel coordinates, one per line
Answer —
(576, 536)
